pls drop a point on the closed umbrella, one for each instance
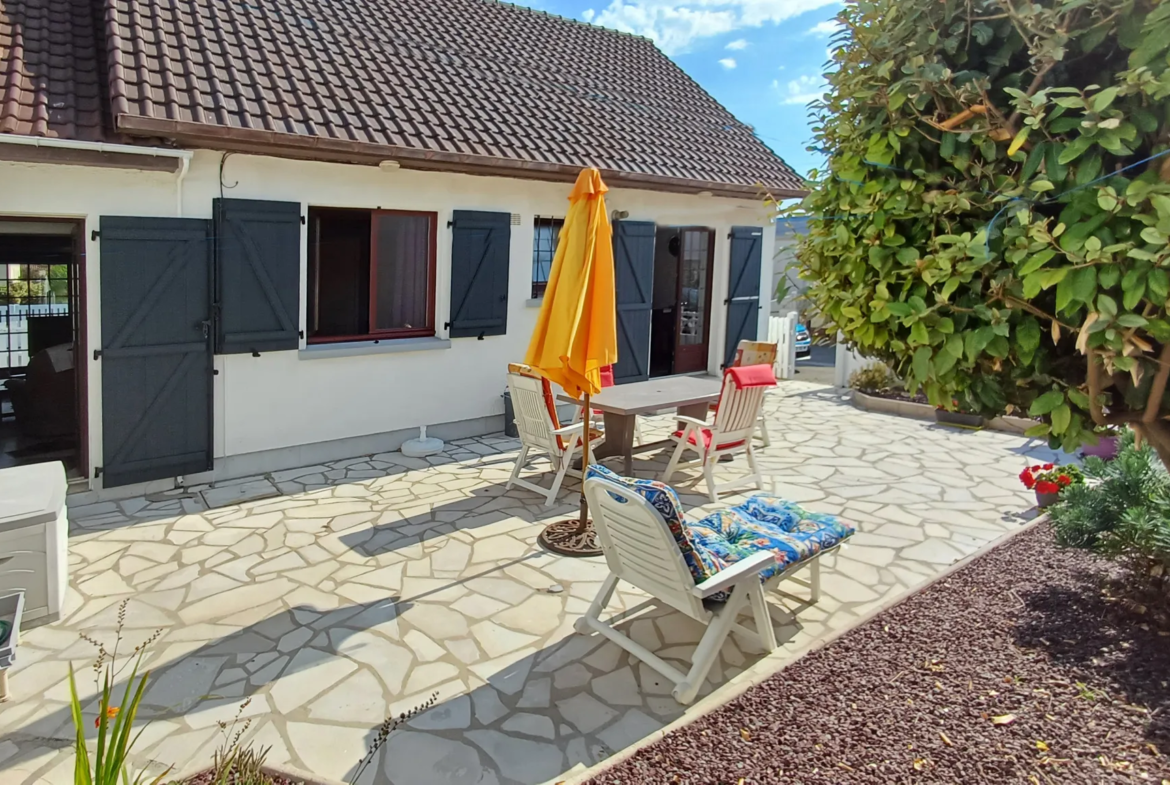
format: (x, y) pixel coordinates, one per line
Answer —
(576, 332)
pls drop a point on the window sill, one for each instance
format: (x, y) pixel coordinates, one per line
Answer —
(325, 351)
(534, 302)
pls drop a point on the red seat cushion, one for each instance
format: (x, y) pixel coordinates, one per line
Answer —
(707, 435)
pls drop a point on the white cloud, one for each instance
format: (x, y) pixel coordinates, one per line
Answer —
(804, 89)
(737, 44)
(825, 28)
(588, 14)
(728, 63)
(674, 26)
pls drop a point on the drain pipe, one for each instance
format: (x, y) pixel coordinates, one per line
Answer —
(183, 156)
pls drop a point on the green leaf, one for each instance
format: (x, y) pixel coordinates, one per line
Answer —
(950, 286)
(1046, 403)
(1064, 292)
(954, 345)
(1060, 418)
(1158, 282)
(1040, 429)
(1131, 320)
(1151, 235)
(1107, 306)
(1073, 150)
(1036, 261)
(921, 363)
(1035, 158)
(908, 256)
(1028, 337)
(1132, 296)
(1102, 100)
(1040, 186)
(919, 334)
(1084, 284)
(898, 309)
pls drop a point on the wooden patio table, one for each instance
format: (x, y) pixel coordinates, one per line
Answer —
(691, 396)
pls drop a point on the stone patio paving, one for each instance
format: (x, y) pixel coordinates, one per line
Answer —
(373, 582)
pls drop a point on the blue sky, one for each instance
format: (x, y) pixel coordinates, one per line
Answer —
(762, 59)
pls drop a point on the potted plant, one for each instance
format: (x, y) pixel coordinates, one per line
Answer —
(1106, 446)
(1048, 480)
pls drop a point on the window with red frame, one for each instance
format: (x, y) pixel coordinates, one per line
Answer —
(371, 274)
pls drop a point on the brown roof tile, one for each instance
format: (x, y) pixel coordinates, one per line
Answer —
(50, 78)
(442, 82)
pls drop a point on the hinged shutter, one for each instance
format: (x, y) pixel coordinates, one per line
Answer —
(743, 291)
(633, 263)
(258, 275)
(479, 273)
(155, 348)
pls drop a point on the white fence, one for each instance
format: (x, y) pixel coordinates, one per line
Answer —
(782, 332)
(14, 330)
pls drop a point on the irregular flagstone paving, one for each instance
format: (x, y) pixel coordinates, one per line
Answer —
(374, 582)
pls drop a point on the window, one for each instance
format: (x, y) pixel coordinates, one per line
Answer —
(546, 234)
(371, 274)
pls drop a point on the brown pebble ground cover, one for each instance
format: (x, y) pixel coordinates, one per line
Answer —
(1018, 668)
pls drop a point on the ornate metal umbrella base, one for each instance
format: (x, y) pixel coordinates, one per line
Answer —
(569, 538)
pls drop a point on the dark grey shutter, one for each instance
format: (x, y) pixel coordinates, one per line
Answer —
(633, 260)
(155, 348)
(479, 273)
(258, 275)
(743, 291)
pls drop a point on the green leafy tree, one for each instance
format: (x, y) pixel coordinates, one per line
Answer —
(994, 212)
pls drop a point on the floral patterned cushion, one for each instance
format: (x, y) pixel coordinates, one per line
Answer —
(721, 539)
(764, 523)
(662, 498)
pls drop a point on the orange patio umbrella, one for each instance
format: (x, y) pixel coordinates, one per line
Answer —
(576, 332)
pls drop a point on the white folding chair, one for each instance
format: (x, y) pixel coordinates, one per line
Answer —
(757, 353)
(736, 419)
(539, 429)
(640, 549)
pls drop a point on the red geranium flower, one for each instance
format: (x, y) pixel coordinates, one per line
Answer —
(1048, 466)
(1064, 480)
(1044, 486)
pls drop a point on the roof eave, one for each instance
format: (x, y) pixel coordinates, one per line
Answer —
(260, 142)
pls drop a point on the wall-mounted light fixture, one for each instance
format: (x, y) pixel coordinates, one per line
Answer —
(618, 215)
(389, 164)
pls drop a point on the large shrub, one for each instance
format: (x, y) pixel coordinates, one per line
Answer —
(1124, 512)
(994, 214)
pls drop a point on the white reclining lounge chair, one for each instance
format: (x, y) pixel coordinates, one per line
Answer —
(713, 570)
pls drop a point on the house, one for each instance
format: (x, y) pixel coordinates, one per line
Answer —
(290, 231)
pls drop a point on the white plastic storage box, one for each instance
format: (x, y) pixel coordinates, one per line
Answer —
(34, 539)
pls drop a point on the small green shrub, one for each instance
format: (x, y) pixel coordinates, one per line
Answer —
(874, 378)
(1123, 512)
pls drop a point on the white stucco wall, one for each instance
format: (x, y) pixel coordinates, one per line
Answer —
(283, 399)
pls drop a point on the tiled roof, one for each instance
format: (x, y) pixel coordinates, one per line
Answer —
(469, 85)
(50, 79)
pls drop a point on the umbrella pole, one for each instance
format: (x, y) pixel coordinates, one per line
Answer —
(583, 523)
(576, 537)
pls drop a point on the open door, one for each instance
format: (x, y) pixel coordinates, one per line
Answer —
(633, 258)
(693, 332)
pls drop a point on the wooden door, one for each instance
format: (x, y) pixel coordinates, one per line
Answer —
(743, 291)
(693, 326)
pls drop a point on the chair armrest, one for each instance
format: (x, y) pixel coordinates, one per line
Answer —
(692, 421)
(577, 427)
(736, 573)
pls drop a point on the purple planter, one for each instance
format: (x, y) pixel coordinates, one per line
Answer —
(1046, 499)
(1105, 448)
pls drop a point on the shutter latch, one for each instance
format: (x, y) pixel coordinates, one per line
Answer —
(97, 354)
(480, 338)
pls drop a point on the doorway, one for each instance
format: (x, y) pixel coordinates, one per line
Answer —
(681, 319)
(42, 368)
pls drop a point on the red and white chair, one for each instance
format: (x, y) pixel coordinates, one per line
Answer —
(540, 430)
(757, 353)
(740, 403)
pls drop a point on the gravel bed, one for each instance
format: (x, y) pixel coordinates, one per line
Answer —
(1016, 669)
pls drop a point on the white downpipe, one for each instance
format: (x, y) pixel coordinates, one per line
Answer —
(184, 156)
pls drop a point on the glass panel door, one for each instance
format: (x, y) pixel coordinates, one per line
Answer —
(694, 297)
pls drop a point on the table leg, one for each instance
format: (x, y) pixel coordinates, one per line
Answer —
(696, 410)
(619, 439)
